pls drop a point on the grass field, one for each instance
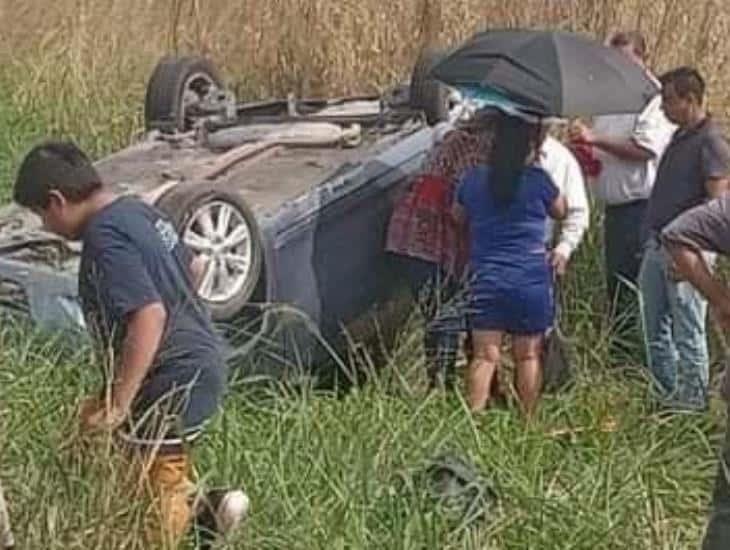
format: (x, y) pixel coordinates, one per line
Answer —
(597, 470)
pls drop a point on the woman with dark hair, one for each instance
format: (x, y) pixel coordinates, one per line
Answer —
(506, 205)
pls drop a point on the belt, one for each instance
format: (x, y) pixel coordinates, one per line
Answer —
(629, 204)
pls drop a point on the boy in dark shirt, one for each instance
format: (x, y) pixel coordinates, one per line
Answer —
(137, 290)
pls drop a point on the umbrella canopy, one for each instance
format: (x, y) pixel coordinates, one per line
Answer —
(552, 73)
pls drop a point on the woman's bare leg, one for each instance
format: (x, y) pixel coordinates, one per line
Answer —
(483, 365)
(528, 370)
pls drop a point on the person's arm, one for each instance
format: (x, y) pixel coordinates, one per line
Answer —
(552, 196)
(715, 158)
(689, 263)
(577, 219)
(559, 208)
(623, 149)
(145, 328)
(691, 266)
(128, 296)
(198, 265)
(705, 227)
(626, 149)
(458, 211)
(647, 141)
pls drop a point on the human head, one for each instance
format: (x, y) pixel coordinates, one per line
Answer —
(683, 95)
(630, 43)
(515, 141)
(56, 180)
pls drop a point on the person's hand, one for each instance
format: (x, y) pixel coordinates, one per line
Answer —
(559, 262)
(88, 406)
(580, 133)
(96, 415)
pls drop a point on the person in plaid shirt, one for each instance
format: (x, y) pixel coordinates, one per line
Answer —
(432, 247)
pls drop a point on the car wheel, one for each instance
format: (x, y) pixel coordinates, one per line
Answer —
(426, 93)
(219, 226)
(176, 87)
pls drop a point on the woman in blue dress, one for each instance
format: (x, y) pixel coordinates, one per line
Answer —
(506, 205)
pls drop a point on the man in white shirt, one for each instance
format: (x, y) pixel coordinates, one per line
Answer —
(629, 148)
(558, 161)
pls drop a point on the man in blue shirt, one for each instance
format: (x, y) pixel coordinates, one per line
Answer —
(136, 284)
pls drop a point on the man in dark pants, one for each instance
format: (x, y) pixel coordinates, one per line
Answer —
(706, 228)
(629, 148)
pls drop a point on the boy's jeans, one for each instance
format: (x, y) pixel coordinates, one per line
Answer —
(717, 536)
(674, 316)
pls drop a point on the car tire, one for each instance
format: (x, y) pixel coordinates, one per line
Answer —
(426, 93)
(184, 205)
(164, 107)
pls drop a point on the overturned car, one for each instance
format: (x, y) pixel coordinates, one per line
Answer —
(288, 200)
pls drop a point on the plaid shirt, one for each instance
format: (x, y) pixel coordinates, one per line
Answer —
(422, 225)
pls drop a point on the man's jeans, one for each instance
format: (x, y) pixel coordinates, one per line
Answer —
(674, 316)
(717, 536)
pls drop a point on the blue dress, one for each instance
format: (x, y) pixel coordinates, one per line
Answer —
(510, 276)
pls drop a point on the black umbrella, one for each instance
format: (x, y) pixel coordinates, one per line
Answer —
(552, 73)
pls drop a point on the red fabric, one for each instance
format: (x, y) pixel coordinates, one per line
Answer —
(422, 225)
(584, 154)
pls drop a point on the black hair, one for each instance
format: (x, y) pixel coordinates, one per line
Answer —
(55, 166)
(514, 140)
(685, 81)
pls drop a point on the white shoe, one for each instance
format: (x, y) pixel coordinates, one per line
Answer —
(220, 513)
(232, 510)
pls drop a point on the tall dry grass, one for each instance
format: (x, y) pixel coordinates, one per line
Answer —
(79, 68)
(107, 48)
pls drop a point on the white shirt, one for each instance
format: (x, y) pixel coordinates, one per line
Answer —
(622, 181)
(558, 161)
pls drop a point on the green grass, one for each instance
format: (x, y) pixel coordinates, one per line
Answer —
(323, 471)
(36, 107)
